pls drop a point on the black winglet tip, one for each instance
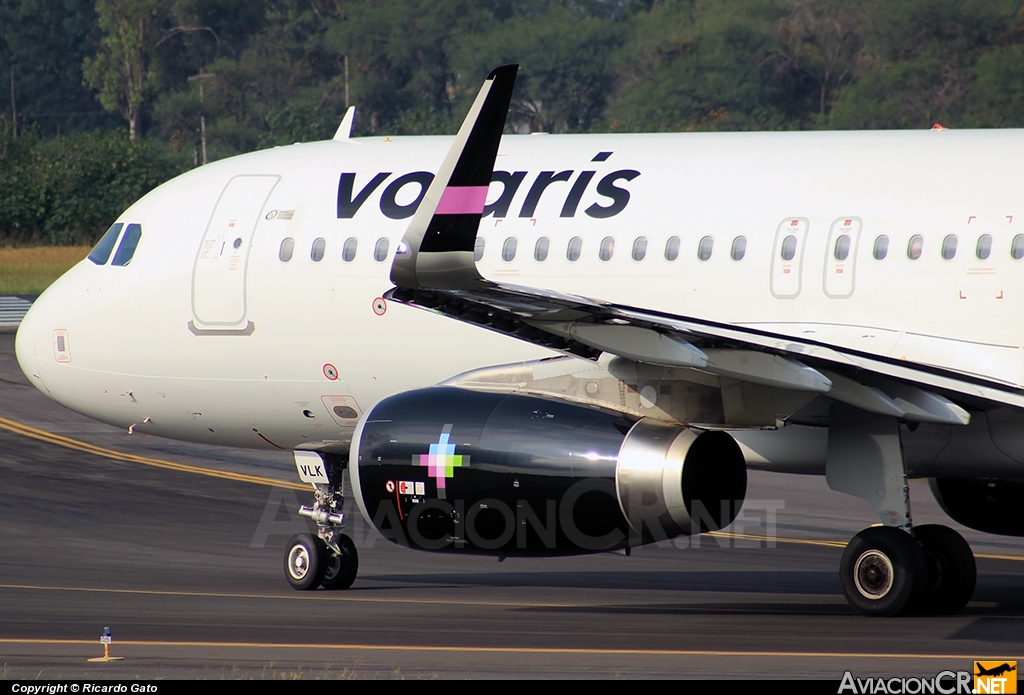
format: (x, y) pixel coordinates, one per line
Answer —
(504, 72)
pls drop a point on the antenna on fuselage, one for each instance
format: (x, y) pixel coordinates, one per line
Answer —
(345, 129)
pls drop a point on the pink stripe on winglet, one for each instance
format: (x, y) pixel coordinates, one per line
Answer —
(462, 200)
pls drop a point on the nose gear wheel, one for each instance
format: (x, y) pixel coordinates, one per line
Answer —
(305, 561)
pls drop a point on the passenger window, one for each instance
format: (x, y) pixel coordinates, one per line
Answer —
(316, 253)
(607, 249)
(984, 248)
(881, 249)
(842, 249)
(540, 249)
(739, 248)
(286, 250)
(100, 253)
(508, 249)
(705, 247)
(672, 248)
(129, 242)
(948, 247)
(380, 249)
(1017, 247)
(572, 251)
(478, 249)
(915, 246)
(640, 248)
(348, 251)
(788, 251)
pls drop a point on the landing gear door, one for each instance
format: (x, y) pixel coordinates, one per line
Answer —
(788, 257)
(219, 274)
(841, 257)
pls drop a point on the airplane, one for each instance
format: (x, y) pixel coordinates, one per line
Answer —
(995, 671)
(553, 345)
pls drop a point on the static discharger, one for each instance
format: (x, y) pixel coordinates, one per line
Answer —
(105, 639)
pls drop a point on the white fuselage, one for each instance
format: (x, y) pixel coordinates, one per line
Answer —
(195, 339)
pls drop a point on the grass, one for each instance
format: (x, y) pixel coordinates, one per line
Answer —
(30, 270)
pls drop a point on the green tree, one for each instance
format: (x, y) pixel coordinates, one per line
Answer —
(996, 99)
(699, 65)
(923, 58)
(123, 70)
(565, 67)
(42, 46)
(400, 60)
(819, 44)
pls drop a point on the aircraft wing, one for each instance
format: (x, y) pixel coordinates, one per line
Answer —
(434, 269)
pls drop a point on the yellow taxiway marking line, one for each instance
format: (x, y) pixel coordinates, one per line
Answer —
(991, 556)
(67, 442)
(318, 596)
(832, 544)
(777, 539)
(517, 650)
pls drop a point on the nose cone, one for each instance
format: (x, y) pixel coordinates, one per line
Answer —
(25, 347)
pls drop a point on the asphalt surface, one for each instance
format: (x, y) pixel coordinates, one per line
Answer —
(105, 529)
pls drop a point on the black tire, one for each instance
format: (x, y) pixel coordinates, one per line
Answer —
(951, 567)
(341, 569)
(883, 571)
(305, 561)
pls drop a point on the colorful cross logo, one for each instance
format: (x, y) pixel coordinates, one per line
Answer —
(441, 462)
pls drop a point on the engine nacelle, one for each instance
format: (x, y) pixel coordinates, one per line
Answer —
(506, 474)
(983, 504)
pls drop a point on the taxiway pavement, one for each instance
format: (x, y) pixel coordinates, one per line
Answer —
(186, 570)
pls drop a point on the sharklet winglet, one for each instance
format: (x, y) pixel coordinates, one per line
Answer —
(437, 249)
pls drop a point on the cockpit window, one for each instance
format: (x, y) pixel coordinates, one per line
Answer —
(101, 252)
(129, 243)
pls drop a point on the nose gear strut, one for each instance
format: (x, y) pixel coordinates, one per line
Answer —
(329, 559)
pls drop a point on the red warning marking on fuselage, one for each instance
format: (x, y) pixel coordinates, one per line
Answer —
(379, 306)
(390, 486)
(330, 371)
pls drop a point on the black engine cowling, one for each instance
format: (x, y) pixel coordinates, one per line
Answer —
(506, 474)
(983, 504)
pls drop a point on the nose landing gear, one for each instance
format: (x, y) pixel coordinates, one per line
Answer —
(328, 559)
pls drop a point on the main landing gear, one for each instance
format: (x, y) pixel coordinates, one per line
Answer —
(329, 559)
(896, 568)
(886, 571)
